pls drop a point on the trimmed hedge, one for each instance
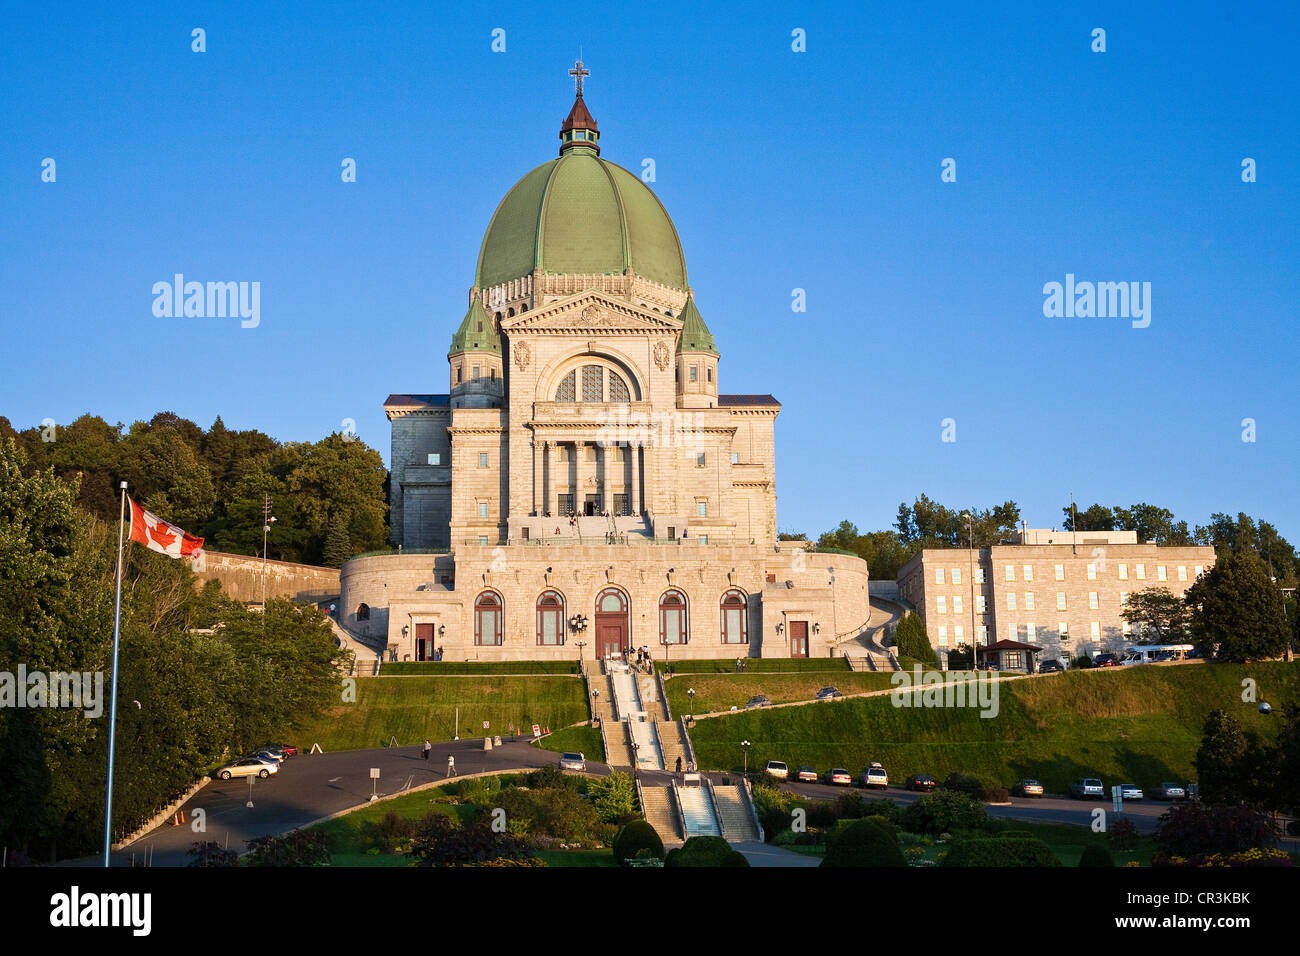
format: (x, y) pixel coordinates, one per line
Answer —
(1000, 851)
(634, 838)
(435, 668)
(863, 843)
(756, 665)
(943, 811)
(705, 851)
(1096, 855)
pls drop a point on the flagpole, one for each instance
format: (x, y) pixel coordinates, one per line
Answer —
(112, 682)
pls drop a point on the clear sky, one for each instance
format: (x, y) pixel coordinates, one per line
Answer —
(782, 170)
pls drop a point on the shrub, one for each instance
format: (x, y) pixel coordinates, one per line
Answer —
(438, 842)
(548, 778)
(996, 851)
(821, 813)
(1123, 834)
(711, 851)
(1083, 661)
(852, 806)
(212, 854)
(392, 834)
(1094, 854)
(638, 840)
(943, 811)
(965, 783)
(1016, 834)
(295, 848)
(1195, 829)
(995, 795)
(614, 797)
(863, 843)
(564, 813)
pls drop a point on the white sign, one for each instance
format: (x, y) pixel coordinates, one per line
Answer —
(537, 731)
(1116, 794)
(374, 773)
(486, 725)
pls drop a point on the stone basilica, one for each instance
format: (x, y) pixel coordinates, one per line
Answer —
(584, 486)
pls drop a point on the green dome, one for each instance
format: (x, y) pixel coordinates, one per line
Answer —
(581, 214)
(696, 336)
(477, 333)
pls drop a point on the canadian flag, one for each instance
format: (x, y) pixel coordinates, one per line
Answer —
(157, 535)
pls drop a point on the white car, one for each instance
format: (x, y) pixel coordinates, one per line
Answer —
(248, 767)
(875, 776)
(572, 761)
(777, 769)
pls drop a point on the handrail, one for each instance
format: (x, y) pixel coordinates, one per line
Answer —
(690, 748)
(677, 811)
(713, 804)
(663, 693)
(753, 811)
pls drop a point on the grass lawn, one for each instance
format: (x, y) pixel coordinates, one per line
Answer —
(1140, 724)
(584, 740)
(723, 691)
(416, 708)
(347, 843)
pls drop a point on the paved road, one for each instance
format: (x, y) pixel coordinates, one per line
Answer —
(311, 786)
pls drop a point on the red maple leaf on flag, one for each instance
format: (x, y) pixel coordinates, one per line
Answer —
(161, 535)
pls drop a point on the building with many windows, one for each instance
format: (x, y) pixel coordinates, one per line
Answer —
(584, 479)
(1058, 590)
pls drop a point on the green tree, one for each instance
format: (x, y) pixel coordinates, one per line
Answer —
(912, 641)
(338, 546)
(1238, 610)
(1218, 760)
(1158, 616)
(1092, 518)
(614, 797)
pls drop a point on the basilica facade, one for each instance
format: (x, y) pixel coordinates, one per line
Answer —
(584, 486)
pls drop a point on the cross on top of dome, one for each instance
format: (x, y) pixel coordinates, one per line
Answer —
(579, 127)
(578, 73)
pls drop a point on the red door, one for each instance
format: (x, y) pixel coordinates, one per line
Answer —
(611, 623)
(798, 638)
(609, 639)
(424, 642)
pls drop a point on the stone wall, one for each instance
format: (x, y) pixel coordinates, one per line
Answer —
(241, 576)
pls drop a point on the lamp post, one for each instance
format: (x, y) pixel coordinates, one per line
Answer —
(744, 747)
(267, 521)
(970, 531)
(690, 692)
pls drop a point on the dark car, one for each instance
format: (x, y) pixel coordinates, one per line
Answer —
(1105, 660)
(829, 693)
(1051, 667)
(758, 701)
(921, 781)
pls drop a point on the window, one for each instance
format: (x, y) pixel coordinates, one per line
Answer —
(1095, 630)
(702, 509)
(1011, 660)
(593, 383)
(482, 509)
(1029, 600)
(550, 618)
(618, 390)
(1123, 572)
(1031, 633)
(363, 612)
(1011, 600)
(475, 371)
(568, 388)
(1182, 572)
(735, 458)
(1013, 632)
(1160, 573)
(956, 604)
(610, 601)
(695, 373)
(708, 373)
(1141, 572)
(1028, 571)
(956, 575)
(482, 459)
(458, 372)
(1062, 630)
(957, 634)
(943, 604)
(482, 540)
(979, 575)
(700, 460)
(1060, 600)
(435, 459)
(980, 604)
(982, 634)
(943, 635)
(1126, 629)
(1092, 572)
(672, 618)
(1093, 603)
(1060, 572)
(1123, 599)
(1199, 568)
(938, 576)
(1011, 572)
(487, 618)
(735, 618)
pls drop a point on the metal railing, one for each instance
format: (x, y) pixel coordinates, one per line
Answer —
(627, 540)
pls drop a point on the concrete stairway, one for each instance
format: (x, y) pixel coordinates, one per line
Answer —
(617, 751)
(733, 815)
(648, 691)
(623, 688)
(672, 743)
(697, 810)
(661, 813)
(648, 754)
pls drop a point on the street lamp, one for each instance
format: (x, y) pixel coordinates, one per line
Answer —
(267, 521)
(970, 531)
(744, 746)
(690, 692)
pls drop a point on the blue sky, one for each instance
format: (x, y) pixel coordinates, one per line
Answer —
(817, 170)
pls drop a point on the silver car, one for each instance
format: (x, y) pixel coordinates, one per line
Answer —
(572, 761)
(248, 767)
(1170, 791)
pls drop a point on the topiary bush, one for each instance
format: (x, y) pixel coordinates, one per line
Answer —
(1094, 854)
(1082, 661)
(997, 851)
(965, 783)
(705, 851)
(863, 843)
(995, 795)
(942, 812)
(638, 841)
(1123, 834)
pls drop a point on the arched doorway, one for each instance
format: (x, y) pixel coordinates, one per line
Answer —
(612, 623)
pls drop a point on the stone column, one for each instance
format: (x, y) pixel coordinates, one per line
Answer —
(579, 465)
(539, 489)
(606, 502)
(634, 488)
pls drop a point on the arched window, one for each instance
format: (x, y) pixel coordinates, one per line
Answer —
(550, 618)
(672, 618)
(363, 612)
(487, 619)
(593, 383)
(618, 388)
(735, 618)
(611, 601)
(568, 390)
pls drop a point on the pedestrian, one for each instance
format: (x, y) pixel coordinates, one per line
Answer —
(451, 765)
(679, 764)
(427, 747)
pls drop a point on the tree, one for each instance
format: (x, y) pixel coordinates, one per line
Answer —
(1218, 759)
(706, 851)
(863, 843)
(1092, 518)
(638, 841)
(1237, 610)
(338, 547)
(1158, 616)
(614, 797)
(912, 641)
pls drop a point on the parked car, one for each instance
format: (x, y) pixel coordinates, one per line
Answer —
(264, 758)
(839, 777)
(875, 776)
(287, 749)
(829, 693)
(248, 767)
(1105, 660)
(270, 755)
(1053, 666)
(1130, 791)
(572, 761)
(1027, 788)
(1170, 791)
(921, 781)
(777, 769)
(806, 775)
(758, 701)
(1087, 788)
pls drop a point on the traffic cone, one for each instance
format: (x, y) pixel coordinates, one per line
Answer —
(182, 818)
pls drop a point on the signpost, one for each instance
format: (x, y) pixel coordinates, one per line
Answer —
(1117, 798)
(537, 731)
(374, 778)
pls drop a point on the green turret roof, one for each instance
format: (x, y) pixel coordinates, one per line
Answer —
(696, 336)
(477, 333)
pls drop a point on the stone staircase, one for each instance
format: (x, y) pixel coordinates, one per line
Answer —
(733, 814)
(648, 754)
(672, 744)
(647, 686)
(661, 813)
(697, 811)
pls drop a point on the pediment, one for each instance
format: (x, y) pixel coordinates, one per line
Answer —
(588, 313)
